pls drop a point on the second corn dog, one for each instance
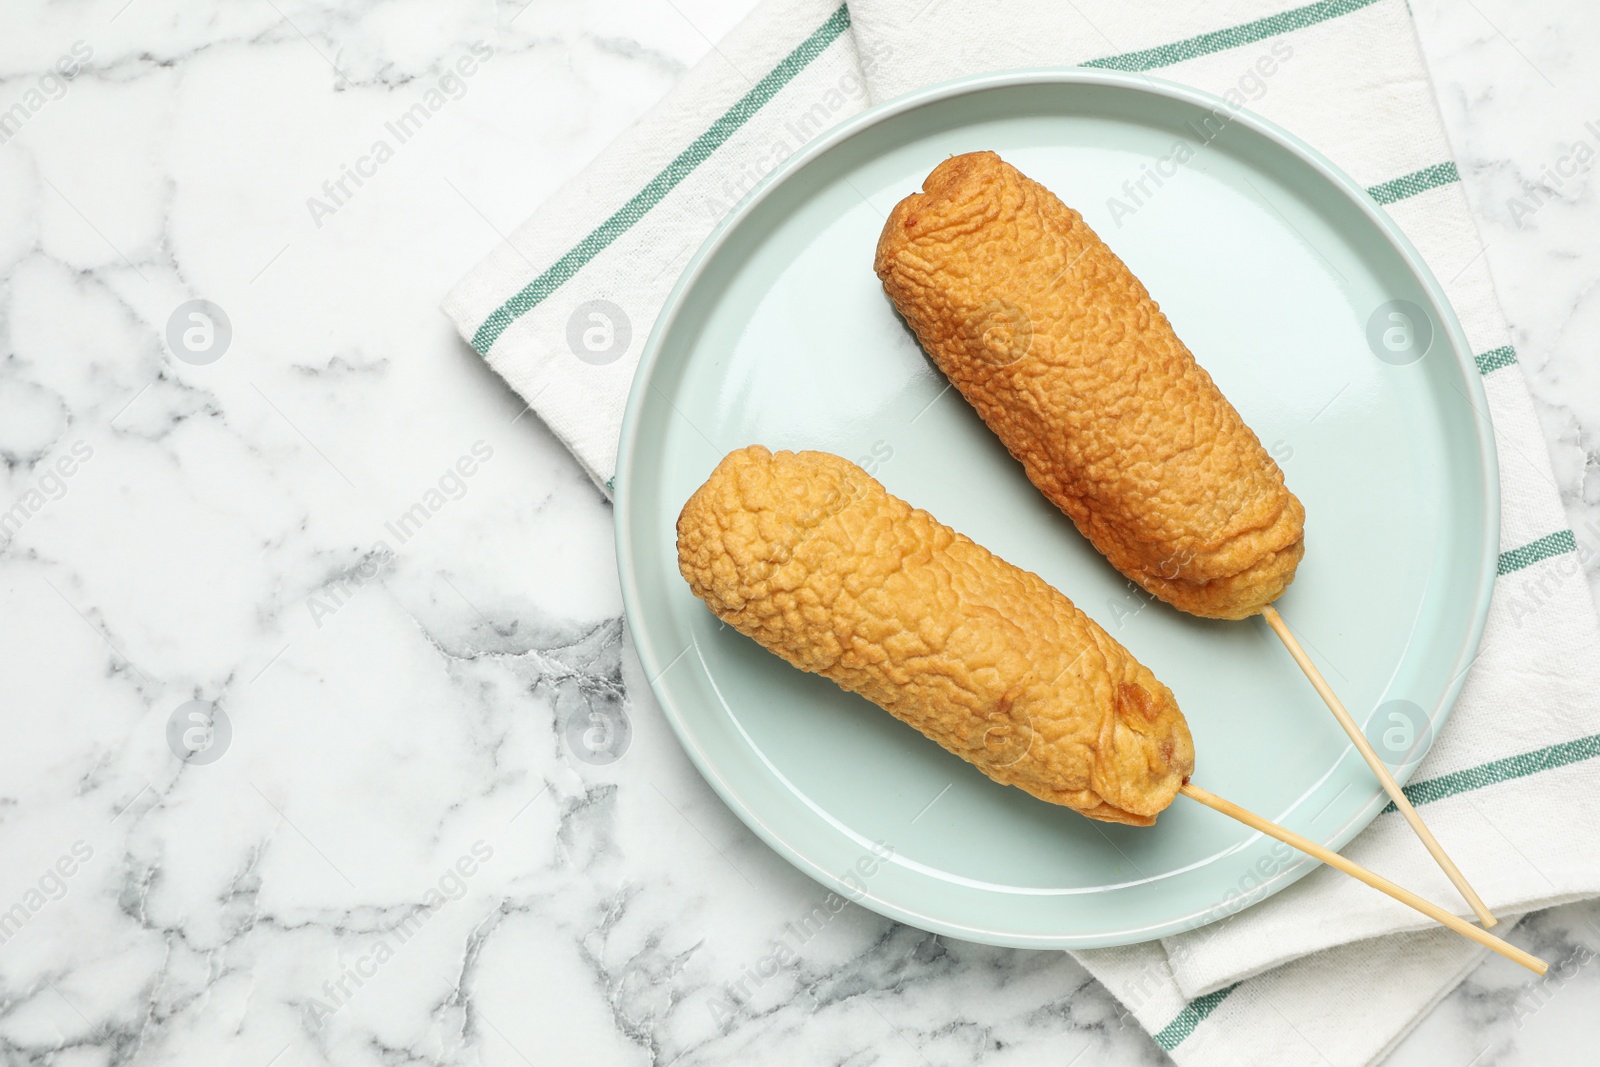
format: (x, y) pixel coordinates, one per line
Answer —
(814, 559)
(1064, 354)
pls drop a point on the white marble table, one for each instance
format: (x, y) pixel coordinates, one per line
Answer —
(216, 531)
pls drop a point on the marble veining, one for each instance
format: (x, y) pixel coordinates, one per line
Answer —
(445, 821)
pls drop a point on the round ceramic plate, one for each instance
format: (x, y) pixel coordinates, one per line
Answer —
(1283, 277)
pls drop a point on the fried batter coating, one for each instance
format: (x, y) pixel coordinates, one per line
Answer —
(1063, 353)
(810, 556)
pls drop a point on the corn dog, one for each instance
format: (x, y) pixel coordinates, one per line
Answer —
(1072, 364)
(810, 556)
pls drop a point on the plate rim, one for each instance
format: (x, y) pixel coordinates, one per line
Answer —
(1138, 82)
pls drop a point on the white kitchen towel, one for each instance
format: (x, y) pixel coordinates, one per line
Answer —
(561, 311)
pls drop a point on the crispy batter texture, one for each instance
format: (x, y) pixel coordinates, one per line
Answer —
(810, 556)
(1063, 353)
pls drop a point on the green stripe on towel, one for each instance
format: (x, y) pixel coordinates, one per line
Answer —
(1501, 770)
(680, 168)
(1416, 182)
(1496, 358)
(1562, 541)
(1221, 40)
(1194, 1013)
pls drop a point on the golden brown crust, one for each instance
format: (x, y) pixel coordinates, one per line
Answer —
(1063, 353)
(814, 559)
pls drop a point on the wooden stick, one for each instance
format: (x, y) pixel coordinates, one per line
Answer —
(1390, 786)
(1360, 873)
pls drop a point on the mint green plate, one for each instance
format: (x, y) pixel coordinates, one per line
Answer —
(1270, 264)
